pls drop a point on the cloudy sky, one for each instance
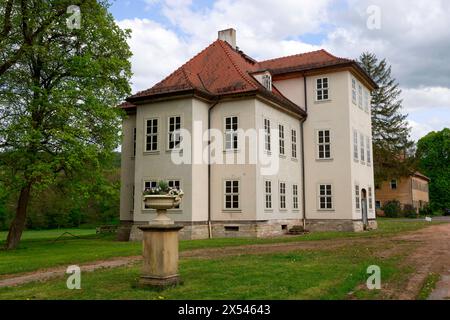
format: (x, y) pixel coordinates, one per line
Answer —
(414, 36)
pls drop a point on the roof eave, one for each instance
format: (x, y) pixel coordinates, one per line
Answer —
(305, 69)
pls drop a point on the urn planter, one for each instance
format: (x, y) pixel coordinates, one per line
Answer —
(161, 203)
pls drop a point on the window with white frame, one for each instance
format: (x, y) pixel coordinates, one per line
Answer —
(231, 196)
(268, 194)
(175, 184)
(294, 143)
(325, 197)
(149, 184)
(370, 198)
(355, 145)
(267, 81)
(134, 142)
(393, 184)
(151, 139)
(366, 101)
(281, 136)
(295, 196)
(282, 195)
(231, 136)
(174, 136)
(362, 148)
(322, 89)
(267, 135)
(357, 198)
(369, 154)
(323, 144)
(360, 96)
(354, 91)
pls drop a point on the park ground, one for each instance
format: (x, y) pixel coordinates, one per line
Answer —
(414, 258)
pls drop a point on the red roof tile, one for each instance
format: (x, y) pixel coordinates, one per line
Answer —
(220, 70)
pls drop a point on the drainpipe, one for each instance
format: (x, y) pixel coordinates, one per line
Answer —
(209, 169)
(303, 155)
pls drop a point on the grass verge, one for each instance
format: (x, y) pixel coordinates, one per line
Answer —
(38, 250)
(306, 274)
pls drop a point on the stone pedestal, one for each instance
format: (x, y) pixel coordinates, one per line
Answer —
(160, 252)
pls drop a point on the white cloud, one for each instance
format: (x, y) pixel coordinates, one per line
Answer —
(426, 98)
(422, 128)
(157, 51)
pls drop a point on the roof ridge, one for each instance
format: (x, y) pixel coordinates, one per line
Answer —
(335, 57)
(234, 64)
(187, 78)
(293, 55)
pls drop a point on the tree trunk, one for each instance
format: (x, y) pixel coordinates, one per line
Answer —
(18, 224)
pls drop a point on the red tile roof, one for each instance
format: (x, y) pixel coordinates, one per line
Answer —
(309, 60)
(219, 70)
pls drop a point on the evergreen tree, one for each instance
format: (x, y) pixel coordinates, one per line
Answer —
(392, 147)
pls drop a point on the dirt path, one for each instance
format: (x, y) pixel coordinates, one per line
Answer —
(430, 253)
(210, 253)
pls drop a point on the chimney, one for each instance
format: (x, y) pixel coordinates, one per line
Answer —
(228, 35)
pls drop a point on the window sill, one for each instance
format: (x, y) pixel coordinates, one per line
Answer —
(282, 156)
(174, 150)
(232, 210)
(294, 159)
(295, 210)
(232, 151)
(268, 210)
(283, 210)
(326, 210)
(151, 152)
(322, 101)
(324, 160)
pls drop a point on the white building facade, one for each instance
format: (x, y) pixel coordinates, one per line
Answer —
(290, 139)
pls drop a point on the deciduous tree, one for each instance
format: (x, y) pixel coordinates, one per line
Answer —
(58, 98)
(433, 155)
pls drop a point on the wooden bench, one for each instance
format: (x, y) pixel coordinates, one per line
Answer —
(106, 229)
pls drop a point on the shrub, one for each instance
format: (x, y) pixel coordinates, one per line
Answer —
(392, 209)
(426, 211)
(409, 211)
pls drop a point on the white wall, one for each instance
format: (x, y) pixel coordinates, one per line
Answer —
(289, 168)
(127, 169)
(158, 165)
(245, 173)
(362, 172)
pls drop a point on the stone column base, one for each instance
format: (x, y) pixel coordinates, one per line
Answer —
(159, 282)
(160, 251)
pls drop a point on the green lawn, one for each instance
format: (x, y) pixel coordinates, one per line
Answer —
(49, 234)
(304, 274)
(38, 249)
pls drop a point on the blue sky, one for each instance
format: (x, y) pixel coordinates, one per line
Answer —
(414, 36)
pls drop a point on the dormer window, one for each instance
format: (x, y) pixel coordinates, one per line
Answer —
(267, 81)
